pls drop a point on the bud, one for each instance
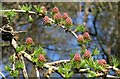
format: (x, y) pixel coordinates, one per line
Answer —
(102, 62)
(46, 20)
(87, 54)
(41, 58)
(68, 21)
(86, 35)
(58, 16)
(77, 57)
(55, 10)
(65, 15)
(80, 38)
(29, 40)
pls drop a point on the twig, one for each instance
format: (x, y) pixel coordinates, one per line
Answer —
(57, 62)
(14, 44)
(13, 64)
(114, 77)
(13, 32)
(2, 75)
(72, 32)
(23, 11)
(24, 68)
(37, 72)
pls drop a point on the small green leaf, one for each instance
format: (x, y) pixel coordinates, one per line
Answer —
(7, 68)
(71, 55)
(82, 64)
(14, 73)
(80, 28)
(40, 64)
(38, 8)
(82, 51)
(19, 48)
(92, 74)
(26, 7)
(66, 70)
(19, 65)
(30, 19)
(68, 26)
(95, 51)
(114, 61)
(69, 74)
(90, 63)
(100, 68)
(11, 58)
(38, 51)
(11, 14)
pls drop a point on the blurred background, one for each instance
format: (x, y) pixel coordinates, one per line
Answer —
(101, 19)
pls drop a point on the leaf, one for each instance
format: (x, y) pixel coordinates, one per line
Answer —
(26, 7)
(19, 48)
(38, 51)
(70, 74)
(66, 70)
(95, 52)
(7, 68)
(100, 68)
(90, 63)
(30, 19)
(40, 64)
(38, 8)
(14, 73)
(83, 64)
(114, 61)
(11, 14)
(60, 69)
(92, 74)
(80, 28)
(19, 65)
(83, 50)
(11, 58)
(71, 55)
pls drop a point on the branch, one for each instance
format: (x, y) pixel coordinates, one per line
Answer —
(13, 64)
(23, 11)
(24, 68)
(57, 62)
(2, 75)
(69, 30)
(14, 44)
(110, 76)
(13, 32)
(37, 72)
